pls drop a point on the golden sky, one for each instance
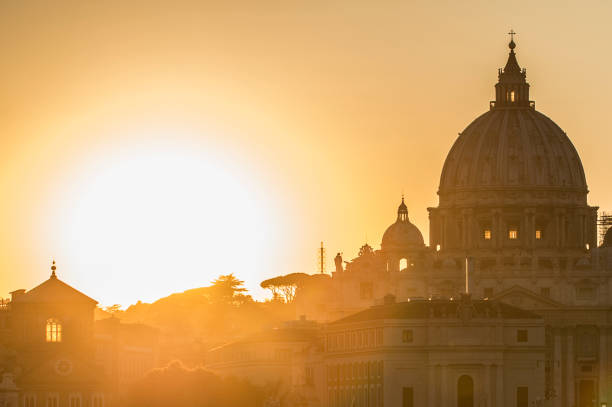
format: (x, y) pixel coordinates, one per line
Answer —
(150, 146)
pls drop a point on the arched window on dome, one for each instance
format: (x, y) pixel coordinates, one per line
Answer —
(403, 264)
(53, 330)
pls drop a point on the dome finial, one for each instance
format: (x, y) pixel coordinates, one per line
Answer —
(53, 268)
(512, 45)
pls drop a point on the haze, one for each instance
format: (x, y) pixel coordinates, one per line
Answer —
(149, 148)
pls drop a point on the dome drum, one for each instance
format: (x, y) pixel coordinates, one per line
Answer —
(513, 180)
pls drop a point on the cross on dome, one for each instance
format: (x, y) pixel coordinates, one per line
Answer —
(512, 33)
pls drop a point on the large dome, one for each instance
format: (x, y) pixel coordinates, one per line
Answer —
(402, 235)
(513, 147)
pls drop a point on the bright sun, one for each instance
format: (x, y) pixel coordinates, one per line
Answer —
(143, 224)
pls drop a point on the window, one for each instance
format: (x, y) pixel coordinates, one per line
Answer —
(74, 400)
(488, 292)
(52, 400)
(513, 234)
(512, 96)
(538, 234)
(407, 397)
(545, 292)
(407, 336)
(54, 330)
(97, 400)
(403, 264)
(521, 335)
(522, 396)
(366, 291)
(585, 293)
(487, 234)
(29, 400)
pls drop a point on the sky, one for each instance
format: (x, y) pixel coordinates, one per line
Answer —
(151, 146)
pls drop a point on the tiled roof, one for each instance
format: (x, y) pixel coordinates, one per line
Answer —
(53, 290)
(421, 309)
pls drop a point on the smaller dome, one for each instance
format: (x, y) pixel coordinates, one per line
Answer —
(607, 242)
(402, 235)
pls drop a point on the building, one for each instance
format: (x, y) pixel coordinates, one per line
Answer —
(54, 354)
(126, 352)
(436, 353)
(286, 359)
(50, 349)
(514, 224)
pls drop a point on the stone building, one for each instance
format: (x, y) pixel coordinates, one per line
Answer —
(49, 347)
(436, 353)
(514, 224)
(287, 359)
(54, 354)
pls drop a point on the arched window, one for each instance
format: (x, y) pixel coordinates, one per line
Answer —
(403, 263)
(53, 330)
(465, 391)
(512, 96)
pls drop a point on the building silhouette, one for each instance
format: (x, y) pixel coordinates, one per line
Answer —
(54, 354)
(509, 303)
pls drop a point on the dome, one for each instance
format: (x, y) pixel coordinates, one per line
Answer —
(513, 147)
(402, 235)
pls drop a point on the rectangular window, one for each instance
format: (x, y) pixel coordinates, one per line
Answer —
(513, 234)
(522, 396)
(52, 400)
(585, 293)
(366, 291)
(408, 397)
(407, 336)
(487, 234)
(75, 400)
(538, 235)
(29, 400)
(545, 292)
(522, 335)
(488, 292)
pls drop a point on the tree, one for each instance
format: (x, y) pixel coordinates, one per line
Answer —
(228, 289)
(112, 309)
(285, 286)
(176, 385)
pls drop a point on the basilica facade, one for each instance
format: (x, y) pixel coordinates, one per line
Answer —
(513, 228)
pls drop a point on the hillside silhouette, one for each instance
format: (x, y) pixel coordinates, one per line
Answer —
(197, 319)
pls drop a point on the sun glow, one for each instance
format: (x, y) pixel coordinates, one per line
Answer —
(139, 225)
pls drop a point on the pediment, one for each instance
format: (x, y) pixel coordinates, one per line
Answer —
(523, 298)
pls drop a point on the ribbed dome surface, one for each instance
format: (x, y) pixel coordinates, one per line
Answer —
(515, 148)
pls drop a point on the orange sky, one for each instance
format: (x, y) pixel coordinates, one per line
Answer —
(151, 146)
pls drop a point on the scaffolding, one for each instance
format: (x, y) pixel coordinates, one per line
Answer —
(604, 221)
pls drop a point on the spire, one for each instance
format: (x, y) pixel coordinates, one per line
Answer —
(402, 211)
(53, 268)
(512, 89)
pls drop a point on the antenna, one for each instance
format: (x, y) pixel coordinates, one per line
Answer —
(322, 259)
(467, 278)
